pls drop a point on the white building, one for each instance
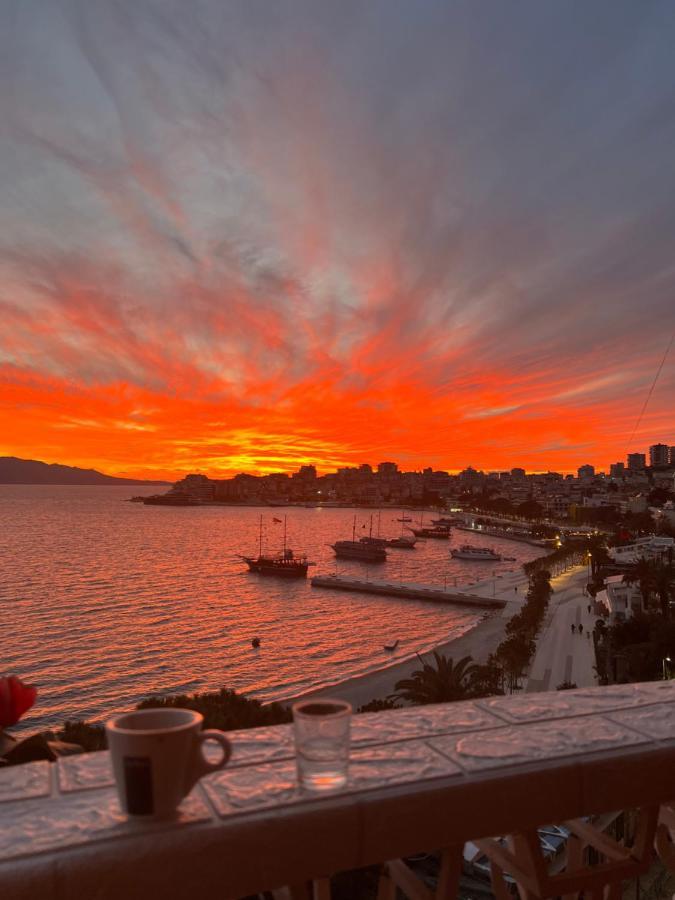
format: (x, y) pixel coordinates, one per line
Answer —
(650, 547)
(619, 599)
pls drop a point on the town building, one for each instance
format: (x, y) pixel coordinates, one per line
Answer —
(659, 455)
(637, 462)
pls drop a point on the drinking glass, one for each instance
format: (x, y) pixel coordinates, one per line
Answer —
(321, 730)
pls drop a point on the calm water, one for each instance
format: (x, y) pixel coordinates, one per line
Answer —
(104, 602)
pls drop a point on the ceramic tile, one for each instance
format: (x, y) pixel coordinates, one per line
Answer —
(383, 766)
(401, 724)
(275, 785)
(88, 770)
(561, 704)
(256, 745)
(655, 721)
(80, 818)
(29, 780)
(510, 746)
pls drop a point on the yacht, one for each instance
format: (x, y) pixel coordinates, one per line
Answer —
(468, 551)
(434, 531)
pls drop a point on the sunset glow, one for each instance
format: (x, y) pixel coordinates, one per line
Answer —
(334, 237)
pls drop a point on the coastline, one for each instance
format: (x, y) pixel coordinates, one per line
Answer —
(478, 642)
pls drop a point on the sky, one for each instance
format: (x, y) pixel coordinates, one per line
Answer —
(247, 236)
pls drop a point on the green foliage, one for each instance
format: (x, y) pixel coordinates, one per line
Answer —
(224, 709)
(440, 682)
(378, 706)
(89, 736)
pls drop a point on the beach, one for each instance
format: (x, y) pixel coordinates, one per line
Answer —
(478, 642)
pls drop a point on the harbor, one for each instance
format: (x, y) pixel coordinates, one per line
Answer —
(409, 591)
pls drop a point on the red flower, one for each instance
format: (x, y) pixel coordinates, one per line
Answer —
(15, 699)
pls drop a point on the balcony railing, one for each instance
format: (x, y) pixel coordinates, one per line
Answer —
(424, 778)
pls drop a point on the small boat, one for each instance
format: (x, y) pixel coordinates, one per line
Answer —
(446, 521)
(391, 647)
(284, 564)
(255, 642)
(405, 542)
(435, 531)
(405, 519)
(467, 551)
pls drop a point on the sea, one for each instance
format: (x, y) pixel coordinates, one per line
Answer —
(104, 602)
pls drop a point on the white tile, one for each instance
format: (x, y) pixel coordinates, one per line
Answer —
(86, 770)
(36, 826)
(512, 745)
(29, 780)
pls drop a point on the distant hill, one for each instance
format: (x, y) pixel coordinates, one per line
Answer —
(32, 471)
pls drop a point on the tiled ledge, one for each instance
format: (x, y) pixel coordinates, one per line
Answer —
(419, 779)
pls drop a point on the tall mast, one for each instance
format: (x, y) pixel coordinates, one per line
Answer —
(260, 548)
(370, 533)
(354, 531)
(284, 536)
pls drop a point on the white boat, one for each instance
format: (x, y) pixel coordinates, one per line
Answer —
(391, 647)
(468, 551)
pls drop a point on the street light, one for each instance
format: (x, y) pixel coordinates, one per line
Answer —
(666, 669)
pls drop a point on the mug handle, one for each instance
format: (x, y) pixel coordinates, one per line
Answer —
(201, 765)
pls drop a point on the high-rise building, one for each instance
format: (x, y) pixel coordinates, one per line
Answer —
(616, 470)
(671, 456)
(517, 473)
(636, 462)
(586, 471)
(658, 454)
(387, 468)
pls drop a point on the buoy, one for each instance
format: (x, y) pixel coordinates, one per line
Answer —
(255, 642)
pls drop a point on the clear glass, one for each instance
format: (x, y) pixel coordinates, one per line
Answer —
(322, 735)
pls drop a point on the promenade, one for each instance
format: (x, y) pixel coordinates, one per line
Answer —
(563, 654)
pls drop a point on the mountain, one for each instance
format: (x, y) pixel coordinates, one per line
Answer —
(32, 471)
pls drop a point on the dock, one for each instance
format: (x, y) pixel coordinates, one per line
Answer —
(408, 591)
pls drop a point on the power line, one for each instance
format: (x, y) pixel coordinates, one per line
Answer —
(651, 389)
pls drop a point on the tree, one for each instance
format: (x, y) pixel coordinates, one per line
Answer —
(514, 654)
(530, 509)
(440, 682)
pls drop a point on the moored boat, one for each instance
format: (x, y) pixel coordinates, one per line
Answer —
(468, 551)
(358, 550)
(284, 564)
(367, 549)
(404, 542)
(434, 531)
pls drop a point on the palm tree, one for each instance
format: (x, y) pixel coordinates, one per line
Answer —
(440, 682)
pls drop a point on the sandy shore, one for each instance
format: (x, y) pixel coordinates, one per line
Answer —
(478, 642)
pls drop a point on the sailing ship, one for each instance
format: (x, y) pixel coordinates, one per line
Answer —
(366, 550)
(284, 564)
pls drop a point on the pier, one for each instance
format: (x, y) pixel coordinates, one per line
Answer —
(408, 591)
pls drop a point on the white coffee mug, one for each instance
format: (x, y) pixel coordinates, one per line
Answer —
(157, 758)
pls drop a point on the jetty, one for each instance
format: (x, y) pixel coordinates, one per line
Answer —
(408, 591)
